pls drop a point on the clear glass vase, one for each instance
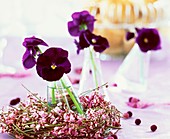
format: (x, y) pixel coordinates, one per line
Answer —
(91, 76)
(132, 74)
(61, 93)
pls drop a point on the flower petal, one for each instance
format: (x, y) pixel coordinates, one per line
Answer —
(28, 60)
(101, 44)
(50, 75)
(15, 101)
(33, 41)
(67, 66)
(129, 35)
(73, 29)
(87, 38)
(84, 40)
(137, 30)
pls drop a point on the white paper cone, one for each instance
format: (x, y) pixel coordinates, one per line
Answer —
(132, 74)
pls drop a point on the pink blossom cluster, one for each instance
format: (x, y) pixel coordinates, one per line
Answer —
(35, 119)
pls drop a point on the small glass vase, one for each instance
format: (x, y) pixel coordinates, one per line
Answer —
(91, 76)
(132, 74)
(61, 93)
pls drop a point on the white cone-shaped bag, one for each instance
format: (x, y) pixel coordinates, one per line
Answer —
(132, 74)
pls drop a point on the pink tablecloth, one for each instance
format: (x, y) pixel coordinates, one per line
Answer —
(157, 94)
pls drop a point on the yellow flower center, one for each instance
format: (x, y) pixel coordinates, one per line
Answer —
(53, 66)
(145, 40)
(93, 41)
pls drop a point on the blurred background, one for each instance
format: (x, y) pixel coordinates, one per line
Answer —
(114, 18)
(50, 17)
(43, 17)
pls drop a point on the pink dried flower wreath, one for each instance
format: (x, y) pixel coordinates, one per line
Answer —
(35, 119)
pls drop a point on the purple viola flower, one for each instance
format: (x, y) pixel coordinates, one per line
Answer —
(87, 38)
(148, 39)
(31, 45)
(130, 35)
(53, 63)
(81, 21)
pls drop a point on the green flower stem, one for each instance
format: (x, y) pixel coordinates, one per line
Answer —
(73, 98)
(19, 130)
(94, 68)
(53, 101)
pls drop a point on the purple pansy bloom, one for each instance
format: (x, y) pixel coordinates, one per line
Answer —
(53, 63)
(81, 21)
(87, 38)
(148, 39)
(31, 45)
